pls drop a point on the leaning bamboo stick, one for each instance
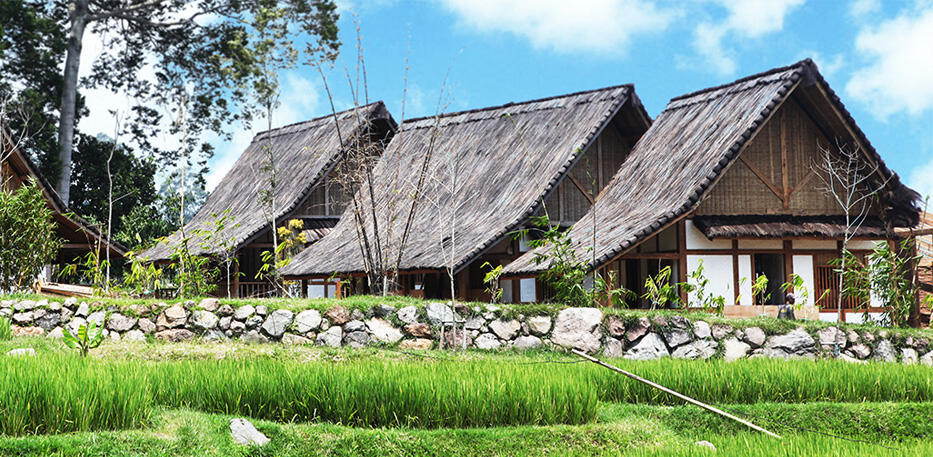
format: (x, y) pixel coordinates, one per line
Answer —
(674, 393)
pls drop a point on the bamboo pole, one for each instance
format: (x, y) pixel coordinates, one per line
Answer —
(676, 394)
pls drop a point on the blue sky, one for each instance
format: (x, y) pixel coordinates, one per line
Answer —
(877, 55)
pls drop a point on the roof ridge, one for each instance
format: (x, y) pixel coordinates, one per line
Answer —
(312, 120)
(801, 64)
(629, 86)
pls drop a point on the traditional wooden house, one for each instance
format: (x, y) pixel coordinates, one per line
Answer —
(79, 237)
(485, 174)
(306, 158)
(727, 176)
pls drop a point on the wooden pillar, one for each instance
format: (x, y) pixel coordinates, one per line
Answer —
(462, 287)
(304, 288)
(682, 255)
(735, 273)
(236, 277)
(788, 263)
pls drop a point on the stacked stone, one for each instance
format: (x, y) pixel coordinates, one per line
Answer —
(487, 328)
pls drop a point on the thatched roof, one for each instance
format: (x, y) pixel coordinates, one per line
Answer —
(508, 158)
(773, 225)
(675, 164)
(304, 153)
(77, 233)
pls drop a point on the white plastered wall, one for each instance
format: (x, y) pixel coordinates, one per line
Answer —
(695, 239)
(718, 269)
(803, 267)
(761, 244)
(745, 280)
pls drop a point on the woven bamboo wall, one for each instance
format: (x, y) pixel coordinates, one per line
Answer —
(742, 191)
(594, 170)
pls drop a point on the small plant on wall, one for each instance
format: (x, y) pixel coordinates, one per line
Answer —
(887, 275)
(698, 285)
(88, 337)
(492, 282)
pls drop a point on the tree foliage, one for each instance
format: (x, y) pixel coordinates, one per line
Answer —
(27, 236)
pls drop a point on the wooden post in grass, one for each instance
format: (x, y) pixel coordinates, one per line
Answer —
(676, 394)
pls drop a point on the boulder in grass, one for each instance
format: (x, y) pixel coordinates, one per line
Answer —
(578, 328)
(419, 330)
(527, 342)
(539, 325)
(244, 312)
(307, 320)
(209, 304)
(277, 322)
(735, 350)
(438, 313)
(487, 341)
(245, 433)
(172, 317)
(408, 315)
(330, 337)
(204, 320)
(505, 329)
(120, 323)
(338, 315)
(175, 335)
(417, 343)
(649, 348)
(383, 310)
(755, 336)
(383, 331)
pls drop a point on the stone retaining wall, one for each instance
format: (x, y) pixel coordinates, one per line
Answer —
(491, 328)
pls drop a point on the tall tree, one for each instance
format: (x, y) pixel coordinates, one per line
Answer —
(133, 180)
(154, 50)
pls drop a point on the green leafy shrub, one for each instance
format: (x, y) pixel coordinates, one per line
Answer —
(89, 337)
(27, 237)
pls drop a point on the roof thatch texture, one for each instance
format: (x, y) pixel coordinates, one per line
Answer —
(303, 155)
(675, 163)
(777, 226)
(507, 158)
(71, 226)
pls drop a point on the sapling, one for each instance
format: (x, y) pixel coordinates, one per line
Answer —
(89, 337)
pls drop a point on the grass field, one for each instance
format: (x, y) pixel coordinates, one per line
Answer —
(157, 399)
(621, 430)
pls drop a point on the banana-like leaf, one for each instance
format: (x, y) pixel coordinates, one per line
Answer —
(83, 330)
(68, 338)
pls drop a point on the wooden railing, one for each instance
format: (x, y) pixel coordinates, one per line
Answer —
(252, 289)
(827, 279)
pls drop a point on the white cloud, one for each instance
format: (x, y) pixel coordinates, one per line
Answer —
(598, 26)
(861, 8)
(745, 19)
(899, 73)
(919, 179)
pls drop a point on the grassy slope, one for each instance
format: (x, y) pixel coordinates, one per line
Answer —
(623, 430)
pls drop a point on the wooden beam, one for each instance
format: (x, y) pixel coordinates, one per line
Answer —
(785, 197)
(735, 271)
(764, 179)
(580, 186)
(800, 184)
(682, 255)
(788, 263)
